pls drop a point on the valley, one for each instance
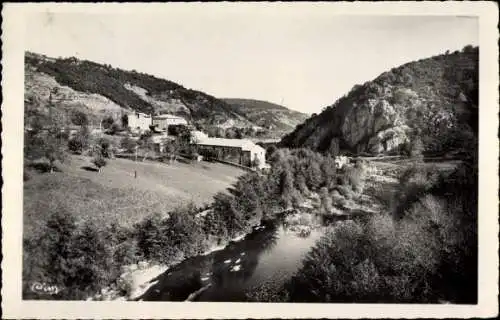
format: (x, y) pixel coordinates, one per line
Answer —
(136, 188)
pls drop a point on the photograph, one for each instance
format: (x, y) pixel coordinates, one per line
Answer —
(282, 155)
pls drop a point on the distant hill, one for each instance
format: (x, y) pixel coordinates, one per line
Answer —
(266, 114)
(433, 101)
(101, 89)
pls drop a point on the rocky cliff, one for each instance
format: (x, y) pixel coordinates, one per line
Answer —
(434, 101)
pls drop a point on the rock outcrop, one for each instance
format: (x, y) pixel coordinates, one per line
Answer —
(434, 100)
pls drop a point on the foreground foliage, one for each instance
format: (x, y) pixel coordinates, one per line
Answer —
(425, 251)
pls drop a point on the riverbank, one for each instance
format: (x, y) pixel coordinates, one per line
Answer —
(136, 279)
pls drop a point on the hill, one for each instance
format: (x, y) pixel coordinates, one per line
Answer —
(101, 89)
(432, 102)
(268, 115)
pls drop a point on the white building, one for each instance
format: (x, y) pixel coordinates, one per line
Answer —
(161, 122)
(198, 136)
(138, 121)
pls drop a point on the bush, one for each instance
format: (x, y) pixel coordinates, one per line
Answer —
(77, 259)
(345, 191)
(417, 149)
(171, 238)
(355, 176)
(99, 162)
(414, 182)
(128, 144)
(75, 145)
(225, 206)
(80, 141)
(79, 118)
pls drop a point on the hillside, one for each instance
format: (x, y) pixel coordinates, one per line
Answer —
(267, 115)
(432, 102)
(102, 89)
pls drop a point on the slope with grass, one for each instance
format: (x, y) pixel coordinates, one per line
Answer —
(267, 115)
(115, 195)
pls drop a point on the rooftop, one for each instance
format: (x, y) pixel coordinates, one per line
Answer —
(244, 144)
(167, 116)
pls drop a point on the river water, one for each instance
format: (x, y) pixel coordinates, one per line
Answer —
(268, 255)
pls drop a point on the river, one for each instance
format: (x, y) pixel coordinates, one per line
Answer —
(268, 255)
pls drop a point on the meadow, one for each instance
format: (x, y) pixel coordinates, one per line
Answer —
(116, 195)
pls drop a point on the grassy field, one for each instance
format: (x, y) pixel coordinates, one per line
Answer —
(115, 195)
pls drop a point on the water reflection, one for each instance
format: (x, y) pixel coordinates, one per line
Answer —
(235, 265)
(226, 271)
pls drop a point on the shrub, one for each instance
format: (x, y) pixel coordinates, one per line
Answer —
(414, 182)
(213, 225)
(225, 206)
(79, 118)
(355, 177)
(345, 191)
(75, 145)
(99, 162)
(80, 141)
(417, 149)
(115, 127)
(104, 146)
(108, 122)
(326, 201)
(171, 238)
(77, 259)
(26, 175)
(128, 144)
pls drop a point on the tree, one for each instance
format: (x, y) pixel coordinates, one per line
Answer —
(171, 148)
(80, 141)
(417, 148)
(125, 121)
(108, 122)
(79, 118)
(54, 151)
(270, 150)
(177, 130)
(104, 147)
(46, 144)
(326, 201)
(114, 128)
(231, 133)
(128, 144)
(287, 187)
(238, 133)
(99, 161)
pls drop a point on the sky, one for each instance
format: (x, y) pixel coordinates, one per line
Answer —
(303, 59)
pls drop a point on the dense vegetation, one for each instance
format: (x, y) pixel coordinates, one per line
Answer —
(435, 99)
(425, 251)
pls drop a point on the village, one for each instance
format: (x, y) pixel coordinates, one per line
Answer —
(241, 152)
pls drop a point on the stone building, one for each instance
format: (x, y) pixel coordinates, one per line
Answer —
(239, 151)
